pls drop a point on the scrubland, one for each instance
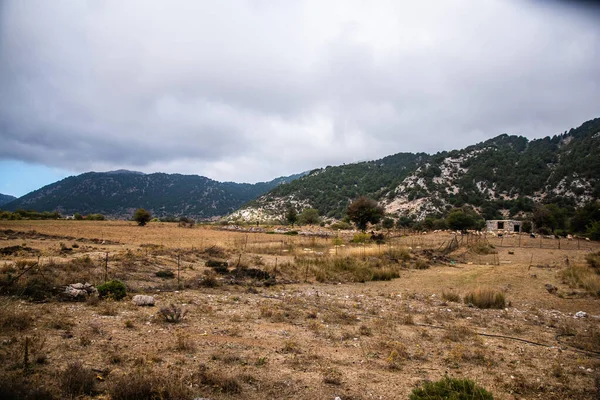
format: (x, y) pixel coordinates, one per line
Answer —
(264, 315)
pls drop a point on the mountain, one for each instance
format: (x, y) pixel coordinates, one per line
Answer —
(6, 198)
(117, 194)
(500, 177)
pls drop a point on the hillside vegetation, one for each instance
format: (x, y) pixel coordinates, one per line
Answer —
(117, 194)
(500, 177)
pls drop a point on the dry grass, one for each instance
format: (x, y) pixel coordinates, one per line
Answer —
(582, 276)
(346, 336)
(485, 298)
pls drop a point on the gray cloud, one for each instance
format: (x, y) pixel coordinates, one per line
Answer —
(250, 90)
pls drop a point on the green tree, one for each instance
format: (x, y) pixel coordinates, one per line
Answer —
(291, 216)
(78, 216)
(387, 223)
(309, 216)
(141, 216)
(462, 219)
(363, 211)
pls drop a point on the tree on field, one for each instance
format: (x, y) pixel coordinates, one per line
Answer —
(461, 219)
(309, 216)
(141, 216)
(363, 211)
(291, 216)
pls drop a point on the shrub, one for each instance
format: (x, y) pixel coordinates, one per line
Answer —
(173, 314)
(421, 264)
(451, 388)
(582, 276)
(219, 381)
(14, 320)
(483, 248)
(114, 289)
(165, 274)
(341, 225)
(149, 385)
(141, 216)
(76, 379)
(361, 238)
(486, 298)
(451, 296)
(593, 260)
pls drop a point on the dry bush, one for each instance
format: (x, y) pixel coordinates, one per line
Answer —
(14, 385)
(172, 313)
(291, 346)
(458, 333)
(593, 260)
(582, 276)
(451, 296)
(483, 248)
(332, 376)
(420, 264)
(218, 381)
(486, 298)
(60, 321)
(183, 342)
(76, 379)
(149, 384)
(14, 320)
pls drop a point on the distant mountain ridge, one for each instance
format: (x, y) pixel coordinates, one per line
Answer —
(499, 177)
(117, 194)
(6, 198)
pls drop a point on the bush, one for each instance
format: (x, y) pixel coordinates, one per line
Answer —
(114, 289)
(582, 276)
(76, 379)
(451, 388)
(173, 314)
(486, 298)
(166, 274)
(141, 216)
(593, 260)
(341, 225)
(95, 217)
(149, 385)
(451, 296)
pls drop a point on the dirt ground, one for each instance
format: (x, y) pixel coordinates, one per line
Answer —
(293, 337)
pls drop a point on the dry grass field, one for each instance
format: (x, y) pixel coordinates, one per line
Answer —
(274, 316)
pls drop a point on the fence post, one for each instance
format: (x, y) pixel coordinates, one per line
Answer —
(106, 268)
(178, 269)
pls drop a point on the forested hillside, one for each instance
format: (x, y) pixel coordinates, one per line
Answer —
(5, 198)
(500, 177)
(117, 194)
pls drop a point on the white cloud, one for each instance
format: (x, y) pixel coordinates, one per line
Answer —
(250, 90)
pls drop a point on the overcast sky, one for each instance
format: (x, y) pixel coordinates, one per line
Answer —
(251, 90)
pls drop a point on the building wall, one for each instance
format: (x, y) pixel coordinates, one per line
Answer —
(508, 225)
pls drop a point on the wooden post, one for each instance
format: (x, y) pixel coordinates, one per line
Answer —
(559, 243)
(178, 269)
(275, 271)
(306, 274)
(106, 268)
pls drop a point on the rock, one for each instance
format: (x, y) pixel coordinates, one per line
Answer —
(581, 314)
(550, 288)
(79, 291)
(143, 300)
